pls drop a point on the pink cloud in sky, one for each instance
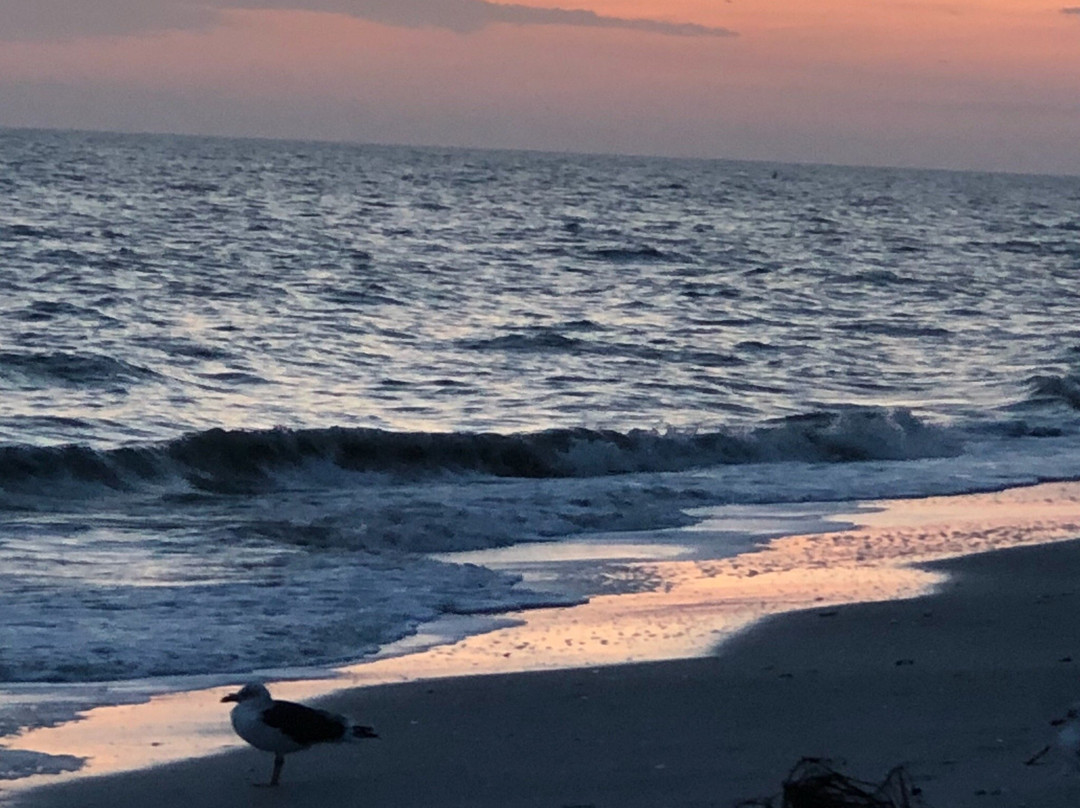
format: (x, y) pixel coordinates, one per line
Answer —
(52, 19)
(969, 84)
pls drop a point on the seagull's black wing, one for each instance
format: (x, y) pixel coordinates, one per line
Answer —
(305, 725)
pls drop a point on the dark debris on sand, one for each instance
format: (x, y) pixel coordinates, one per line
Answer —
(816, 783)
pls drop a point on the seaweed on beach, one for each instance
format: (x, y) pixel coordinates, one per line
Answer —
(816, 783)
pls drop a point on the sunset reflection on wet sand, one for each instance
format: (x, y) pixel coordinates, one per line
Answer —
(694, 607)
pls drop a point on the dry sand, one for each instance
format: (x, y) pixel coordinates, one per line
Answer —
(959, 686)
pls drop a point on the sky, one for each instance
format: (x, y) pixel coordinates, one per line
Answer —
(963, 84)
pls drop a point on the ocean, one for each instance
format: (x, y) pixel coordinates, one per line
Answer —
(255, 394)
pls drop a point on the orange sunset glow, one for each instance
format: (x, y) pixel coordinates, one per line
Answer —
(966, 84)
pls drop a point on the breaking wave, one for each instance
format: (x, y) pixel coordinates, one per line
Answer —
(1055, 389)
(240, 461)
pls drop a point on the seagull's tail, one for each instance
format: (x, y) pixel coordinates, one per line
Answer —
(358, 733)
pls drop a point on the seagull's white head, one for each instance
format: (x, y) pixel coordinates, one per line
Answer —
(252, 691)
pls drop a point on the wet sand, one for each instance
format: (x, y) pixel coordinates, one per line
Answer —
(959, 686)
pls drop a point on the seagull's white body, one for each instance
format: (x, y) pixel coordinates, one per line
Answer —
(248, 722)
(282, 727)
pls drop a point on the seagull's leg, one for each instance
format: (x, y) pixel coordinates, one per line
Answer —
(279, 761)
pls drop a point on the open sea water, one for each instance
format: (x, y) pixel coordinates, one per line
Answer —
(249, 388)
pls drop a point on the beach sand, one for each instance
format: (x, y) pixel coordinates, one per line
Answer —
(959, 686)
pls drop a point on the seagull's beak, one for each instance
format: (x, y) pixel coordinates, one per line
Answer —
(232, 697)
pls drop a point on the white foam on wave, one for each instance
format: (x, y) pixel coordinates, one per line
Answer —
(333, 574)
(320, 608)
(19, 763)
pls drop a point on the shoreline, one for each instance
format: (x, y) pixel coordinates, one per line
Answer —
(959, 686)
(704, 601)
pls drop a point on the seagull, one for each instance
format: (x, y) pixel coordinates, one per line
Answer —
(282, 727)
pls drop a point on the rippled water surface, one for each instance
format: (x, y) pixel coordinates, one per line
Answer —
(159, 285)
(248, 387)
